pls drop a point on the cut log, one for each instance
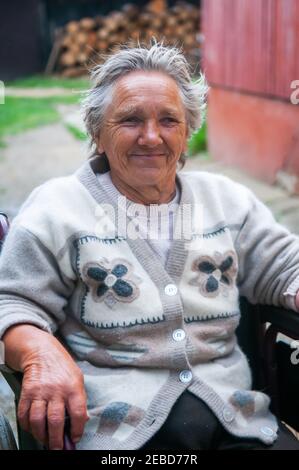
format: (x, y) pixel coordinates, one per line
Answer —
(81, 37)
(68, 59)
(72, 27)
(87, 24)
(91, 39)
(157, 6)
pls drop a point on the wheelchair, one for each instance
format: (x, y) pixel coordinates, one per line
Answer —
(273, 361)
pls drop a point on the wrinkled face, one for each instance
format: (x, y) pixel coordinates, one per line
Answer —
(145, 129)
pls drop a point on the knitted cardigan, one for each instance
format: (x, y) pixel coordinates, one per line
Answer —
(142, 332)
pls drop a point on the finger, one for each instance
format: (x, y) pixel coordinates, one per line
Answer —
(23, 413)
(37, 420)
(56, 413)
(78, 415)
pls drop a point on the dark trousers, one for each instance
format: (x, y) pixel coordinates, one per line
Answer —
(191, 425)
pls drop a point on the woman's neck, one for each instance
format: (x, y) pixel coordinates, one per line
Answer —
(146, 194)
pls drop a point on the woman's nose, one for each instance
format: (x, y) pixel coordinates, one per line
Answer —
(150, 134)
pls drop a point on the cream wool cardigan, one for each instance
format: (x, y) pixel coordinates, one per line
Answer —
(143, 332)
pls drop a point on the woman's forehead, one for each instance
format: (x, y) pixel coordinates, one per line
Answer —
(155, 87)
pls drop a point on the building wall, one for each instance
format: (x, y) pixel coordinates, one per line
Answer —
(20, 39)
(258, 134)
(251, 53)
(252, 45)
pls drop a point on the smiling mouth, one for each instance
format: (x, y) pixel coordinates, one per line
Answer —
(147, 155)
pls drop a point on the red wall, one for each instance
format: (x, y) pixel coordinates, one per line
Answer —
(257, 134)
(251, 56)
(252, 45)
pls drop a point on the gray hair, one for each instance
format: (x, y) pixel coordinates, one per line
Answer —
(155, 57)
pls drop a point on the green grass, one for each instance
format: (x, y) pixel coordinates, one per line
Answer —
(77, 133)
(20, 114)
(198, 141)
(40, 81)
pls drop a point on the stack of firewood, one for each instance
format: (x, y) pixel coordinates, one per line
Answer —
(81, 43)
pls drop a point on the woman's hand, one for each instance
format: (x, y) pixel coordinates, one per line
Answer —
(52, 384)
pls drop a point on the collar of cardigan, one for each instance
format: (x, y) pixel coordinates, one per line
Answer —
(141, 248)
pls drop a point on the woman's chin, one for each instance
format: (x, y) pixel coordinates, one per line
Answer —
(147, 174)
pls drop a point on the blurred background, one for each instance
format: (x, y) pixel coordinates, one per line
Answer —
(248, 50)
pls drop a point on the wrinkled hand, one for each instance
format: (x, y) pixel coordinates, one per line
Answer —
(52, 384)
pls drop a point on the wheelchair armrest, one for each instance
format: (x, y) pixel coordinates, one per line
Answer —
(281, 374)
(283, 320)
(14, 380)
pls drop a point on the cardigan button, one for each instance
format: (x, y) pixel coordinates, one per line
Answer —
(186, 376)
(110, 280)
(228, 415)
(171, 289)
(217, 274)
(178, 335)
(267, 431)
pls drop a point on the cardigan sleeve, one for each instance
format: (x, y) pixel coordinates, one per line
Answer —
(32, 287)
(268, 257)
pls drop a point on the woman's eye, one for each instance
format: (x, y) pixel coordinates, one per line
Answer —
(169, 120)
(131, 119)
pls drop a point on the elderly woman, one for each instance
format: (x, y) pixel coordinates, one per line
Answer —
(146, 311)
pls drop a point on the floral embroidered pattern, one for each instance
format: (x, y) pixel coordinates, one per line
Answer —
(115, 414)
(244, 402)
(111, 282)
(215, 275)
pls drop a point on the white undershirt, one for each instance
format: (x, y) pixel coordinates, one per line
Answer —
(155, 223)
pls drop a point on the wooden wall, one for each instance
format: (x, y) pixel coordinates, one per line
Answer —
(252, 45)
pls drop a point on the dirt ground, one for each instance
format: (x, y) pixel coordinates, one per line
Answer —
(35, 156)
